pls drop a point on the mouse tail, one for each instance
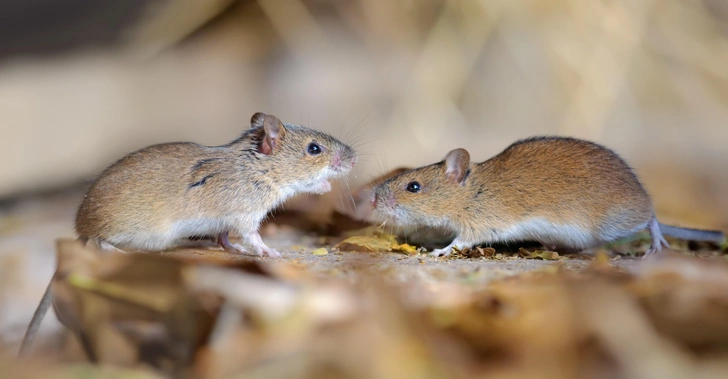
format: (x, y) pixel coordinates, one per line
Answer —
(40, 312)
(692, 234)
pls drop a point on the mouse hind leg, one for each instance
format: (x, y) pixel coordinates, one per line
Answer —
(230, 247)
(658, 241)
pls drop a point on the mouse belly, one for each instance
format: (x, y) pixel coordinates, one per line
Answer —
(176, 233)
(545, 232)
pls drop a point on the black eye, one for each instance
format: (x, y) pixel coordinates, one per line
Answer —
(414, 187)
(314, 148)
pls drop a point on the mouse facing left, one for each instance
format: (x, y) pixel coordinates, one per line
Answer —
(558, 191)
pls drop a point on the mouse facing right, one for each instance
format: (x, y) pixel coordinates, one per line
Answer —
(558, 191)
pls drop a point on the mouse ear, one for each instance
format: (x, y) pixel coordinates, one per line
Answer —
(257, 120)
(274, 131)
(457, 164)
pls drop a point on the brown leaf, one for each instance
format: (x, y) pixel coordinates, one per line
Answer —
(477, 252)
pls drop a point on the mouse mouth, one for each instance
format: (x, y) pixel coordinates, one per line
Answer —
(338, 171)
(322, 186)
(390, 216)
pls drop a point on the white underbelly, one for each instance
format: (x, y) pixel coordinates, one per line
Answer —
(543, 231)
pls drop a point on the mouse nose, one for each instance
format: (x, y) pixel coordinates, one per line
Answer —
(336, 160)
(390, 201)
(373, 202)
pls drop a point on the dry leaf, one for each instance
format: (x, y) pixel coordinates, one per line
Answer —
(476, 252)
(405, 248)
(372, 244)
(543, 254)
(112, 301)
(320, 251)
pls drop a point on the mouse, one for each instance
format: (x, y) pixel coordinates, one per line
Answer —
(558, 191)
(155, 198)
(160, 196)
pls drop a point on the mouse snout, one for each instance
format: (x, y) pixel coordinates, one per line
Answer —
(336, 160)
(382, 198)
(343, 159)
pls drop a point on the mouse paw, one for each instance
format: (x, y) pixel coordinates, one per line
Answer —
(260, 247)
(652, 252)
(441, 252)
(232, 248)
(235, 248)
(273, 253)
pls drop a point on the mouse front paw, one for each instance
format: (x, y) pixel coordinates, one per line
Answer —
(273, 253)
(441, 252)
(235, 249)
(232, 248)
(260, 247)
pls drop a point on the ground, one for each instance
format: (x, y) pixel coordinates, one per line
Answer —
(322, 311)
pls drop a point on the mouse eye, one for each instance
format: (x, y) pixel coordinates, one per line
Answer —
(314, 148)
(414, 187)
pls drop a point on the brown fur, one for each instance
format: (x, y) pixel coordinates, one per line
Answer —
(154, 197)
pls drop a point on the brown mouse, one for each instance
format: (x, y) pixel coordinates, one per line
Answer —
(159, 196)
(558, 191)
(155, 198)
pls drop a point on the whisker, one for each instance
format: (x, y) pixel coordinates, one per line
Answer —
(353, 132)
(360, 125)
(351, 195)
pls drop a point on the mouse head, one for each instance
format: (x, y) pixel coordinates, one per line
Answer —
(427, 196)
(297, 158)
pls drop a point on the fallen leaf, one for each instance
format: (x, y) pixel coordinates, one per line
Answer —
(320, 251)
(601, 259)
(372, 244)
(545, 255)
(405, 248)
(476, 252)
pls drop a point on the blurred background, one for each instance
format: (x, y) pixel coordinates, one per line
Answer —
(84, 82)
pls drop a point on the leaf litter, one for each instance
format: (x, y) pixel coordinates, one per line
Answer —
(161, 315)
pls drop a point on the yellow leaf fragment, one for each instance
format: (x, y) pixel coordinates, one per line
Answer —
(601, 258)
(320, 251)
(367, 244)
(405, 248)
(545, 255)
